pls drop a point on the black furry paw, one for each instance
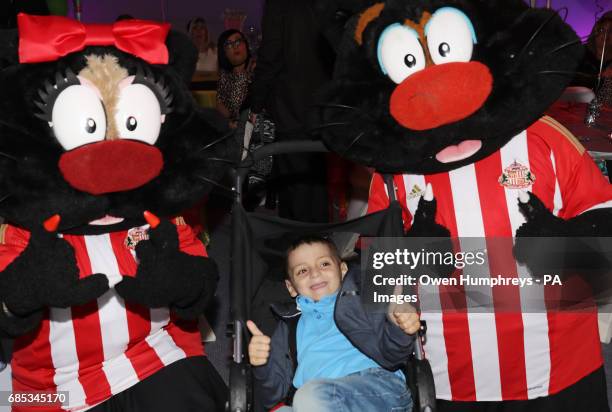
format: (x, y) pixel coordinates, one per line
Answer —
(551, 245)
(12, 326)
(540, 221)
(424, 225)
(46, 274)
(167, 277)
(541, 242)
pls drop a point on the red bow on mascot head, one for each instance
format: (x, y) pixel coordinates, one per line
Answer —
(47, 38)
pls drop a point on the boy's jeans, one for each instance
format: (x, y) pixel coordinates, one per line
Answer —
(370, 390)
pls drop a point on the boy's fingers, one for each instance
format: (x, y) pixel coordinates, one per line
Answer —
(260, 355)
(261, 345)
(261, 339)
(406, 319)
(253, 328)
(406, 315)
(258, 358)
(405, 308)
(397, 290)
(409, 324)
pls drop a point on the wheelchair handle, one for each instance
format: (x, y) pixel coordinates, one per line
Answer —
(420, 341)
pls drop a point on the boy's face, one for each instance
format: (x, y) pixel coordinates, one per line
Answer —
(314, 271)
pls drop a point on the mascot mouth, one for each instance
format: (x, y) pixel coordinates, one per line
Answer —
(106, 220)
(461, 151)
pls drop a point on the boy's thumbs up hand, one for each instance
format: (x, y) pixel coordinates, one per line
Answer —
(403, 315)
(259, 346)
(252, 327)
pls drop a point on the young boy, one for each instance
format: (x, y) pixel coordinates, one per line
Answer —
(345, 355)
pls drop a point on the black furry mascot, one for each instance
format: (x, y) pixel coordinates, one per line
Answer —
(451, 95)
(98, 137)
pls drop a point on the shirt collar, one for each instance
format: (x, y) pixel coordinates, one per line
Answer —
(326, 304)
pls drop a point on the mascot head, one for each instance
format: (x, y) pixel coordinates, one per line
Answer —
(97, 125)
(429, 86)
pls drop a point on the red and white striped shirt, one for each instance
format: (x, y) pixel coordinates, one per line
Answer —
(509, 355)
(101, 348)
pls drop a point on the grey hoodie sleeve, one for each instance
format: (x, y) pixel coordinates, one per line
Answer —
(395, 345)
(372, 333)
(274, 379)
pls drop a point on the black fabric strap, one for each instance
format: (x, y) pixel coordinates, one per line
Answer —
(292, 324)
(390, 187)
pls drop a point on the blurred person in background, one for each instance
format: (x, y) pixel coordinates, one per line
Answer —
(207, 53)
(598, 54)
(293, 61)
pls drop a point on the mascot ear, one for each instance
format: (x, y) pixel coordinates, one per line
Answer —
(183, 54)
(509, 7)
(9, 44)
(510, 4)
(333, 16)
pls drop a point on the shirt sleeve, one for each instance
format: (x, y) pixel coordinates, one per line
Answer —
(586, 189)
(273, 380)
(582, 186)
(12, 242)
(378, 199)
(188, 241)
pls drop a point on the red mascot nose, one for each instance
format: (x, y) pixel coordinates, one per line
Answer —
(441, 95)
(111, 166)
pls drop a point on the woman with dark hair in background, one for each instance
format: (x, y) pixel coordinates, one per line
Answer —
(235, 73)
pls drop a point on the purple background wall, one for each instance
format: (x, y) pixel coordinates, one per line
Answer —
(581, 12)
(177, 12)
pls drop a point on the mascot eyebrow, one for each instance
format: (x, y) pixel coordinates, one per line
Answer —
(51, 90)
(366, 18)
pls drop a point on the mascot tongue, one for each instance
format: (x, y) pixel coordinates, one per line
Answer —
(106, 220)
(459, 152)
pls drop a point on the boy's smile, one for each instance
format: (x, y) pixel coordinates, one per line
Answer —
(314, 271)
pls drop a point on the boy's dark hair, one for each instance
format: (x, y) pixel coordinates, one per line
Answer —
(309, 240)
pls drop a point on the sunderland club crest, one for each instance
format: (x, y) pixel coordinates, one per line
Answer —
(516, 176)
(135, 235)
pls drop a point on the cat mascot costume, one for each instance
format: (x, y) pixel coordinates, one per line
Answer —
(452, 95)
(101, 146)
